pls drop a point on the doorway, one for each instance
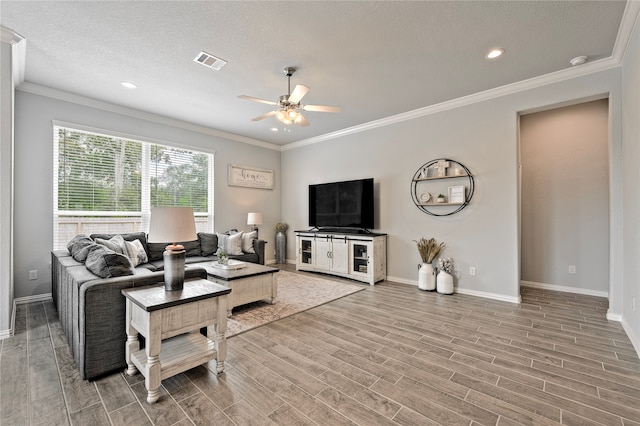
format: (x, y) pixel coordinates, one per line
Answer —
(564, 218)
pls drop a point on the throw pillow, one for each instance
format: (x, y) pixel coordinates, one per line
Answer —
(106, 263)
(222, 242)
(135, 252)
(79, 247)
(247, 241)
(232, 244)
(116, 243)
(208, 243)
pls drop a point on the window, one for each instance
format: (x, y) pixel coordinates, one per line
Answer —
(108, 184)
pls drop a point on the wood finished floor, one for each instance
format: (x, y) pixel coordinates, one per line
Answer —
(387, 355)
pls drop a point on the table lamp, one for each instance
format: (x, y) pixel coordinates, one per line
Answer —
(254, 219)
(172, 224)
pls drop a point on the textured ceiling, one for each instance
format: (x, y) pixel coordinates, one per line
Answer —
(374, 59)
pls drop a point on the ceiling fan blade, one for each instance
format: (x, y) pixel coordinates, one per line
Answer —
(302, 121)
(251, 98)
(298, 92)
(263, 116)
(322, 108)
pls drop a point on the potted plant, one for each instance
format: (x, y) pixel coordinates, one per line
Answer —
(281, 242)
(440, 198)
(445, 276)
(223, 257)
(429, 250)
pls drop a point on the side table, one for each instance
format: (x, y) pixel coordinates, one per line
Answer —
(170, 321)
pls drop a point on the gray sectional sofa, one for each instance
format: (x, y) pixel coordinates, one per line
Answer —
(92, 309)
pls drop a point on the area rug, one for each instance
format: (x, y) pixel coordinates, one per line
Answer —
(296, 293)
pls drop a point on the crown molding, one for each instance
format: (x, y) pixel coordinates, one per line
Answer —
(49, 92)
(630, 19)
(18, 52)
(509, 89)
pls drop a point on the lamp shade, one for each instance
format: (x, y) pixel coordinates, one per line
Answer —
(171, 225)
(254, 218)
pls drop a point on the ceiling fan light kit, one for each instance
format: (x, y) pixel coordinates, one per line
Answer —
(289, 106)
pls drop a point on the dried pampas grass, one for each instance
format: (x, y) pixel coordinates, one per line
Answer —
(429, 249)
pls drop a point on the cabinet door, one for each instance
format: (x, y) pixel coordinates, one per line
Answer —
(323, 254)
(340, 256)
(360, 258)
(305, 251)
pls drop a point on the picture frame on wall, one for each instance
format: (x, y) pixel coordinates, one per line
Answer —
(457, 194)
(250, 177)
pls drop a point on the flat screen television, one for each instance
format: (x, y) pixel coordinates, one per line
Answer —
(347, 204)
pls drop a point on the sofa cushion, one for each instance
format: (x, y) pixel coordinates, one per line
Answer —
(106, 263)
(79, 247)
(156, 249)
(247, 241)
(208, 243)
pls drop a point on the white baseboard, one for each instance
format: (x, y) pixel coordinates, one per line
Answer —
(565, 289)
(30, 299)
(634, 340)
(21, 301)
(494, 296)
(613, 317)
(483, 294)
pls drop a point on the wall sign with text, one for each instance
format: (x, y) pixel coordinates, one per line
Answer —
(250, 177)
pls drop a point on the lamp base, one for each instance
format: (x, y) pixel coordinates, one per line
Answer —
(174, 268)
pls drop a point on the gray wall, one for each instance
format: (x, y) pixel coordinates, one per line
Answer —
(33, 226)
(565, 197)
(631, 142)
(483, 136)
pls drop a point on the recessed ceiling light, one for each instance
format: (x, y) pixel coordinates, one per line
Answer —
(274, 129)
(494, 53)
(128, 84)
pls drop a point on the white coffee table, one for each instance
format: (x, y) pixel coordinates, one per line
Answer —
(248, 284)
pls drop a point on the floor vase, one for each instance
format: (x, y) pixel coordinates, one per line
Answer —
(426, 277)
(445, 282)
(281, 247)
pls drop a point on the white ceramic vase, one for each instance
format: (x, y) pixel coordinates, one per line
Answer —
(445, 282)
(426, 277)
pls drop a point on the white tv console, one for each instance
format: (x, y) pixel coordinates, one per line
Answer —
(359, 256)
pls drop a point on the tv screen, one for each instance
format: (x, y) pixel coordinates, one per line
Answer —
(346, 204)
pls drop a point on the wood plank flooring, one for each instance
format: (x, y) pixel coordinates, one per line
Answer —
(388, 355)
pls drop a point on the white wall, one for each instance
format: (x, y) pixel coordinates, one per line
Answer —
(483, 136)
(33, 226)
(631, 145)
(565, 197)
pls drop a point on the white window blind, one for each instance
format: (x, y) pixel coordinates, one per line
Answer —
(107, 184)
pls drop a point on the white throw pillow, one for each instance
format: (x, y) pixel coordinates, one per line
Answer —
(247, 241)
(132, 249)
(234, 244)
(135, 252)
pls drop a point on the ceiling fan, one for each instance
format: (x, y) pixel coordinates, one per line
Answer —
(289, 106)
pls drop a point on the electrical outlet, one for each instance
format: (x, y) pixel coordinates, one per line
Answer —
(572, 269)
(472, 270)
(33, 275)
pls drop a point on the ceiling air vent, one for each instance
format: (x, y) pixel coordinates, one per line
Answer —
(208, 60)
